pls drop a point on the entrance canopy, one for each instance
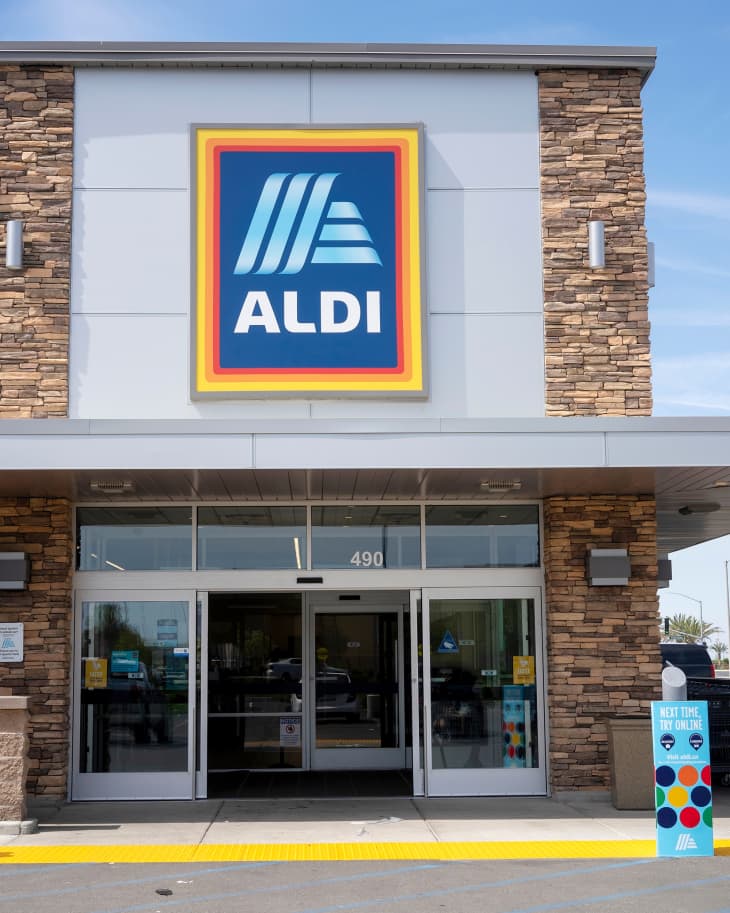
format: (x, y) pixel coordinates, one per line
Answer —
(684, 462)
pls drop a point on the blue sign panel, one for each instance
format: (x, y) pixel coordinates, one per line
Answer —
(448, 644)
(680, 735)
(268, 270)
(513, 725)
(124, 661)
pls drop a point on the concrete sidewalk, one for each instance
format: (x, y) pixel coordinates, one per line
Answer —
(575, 825)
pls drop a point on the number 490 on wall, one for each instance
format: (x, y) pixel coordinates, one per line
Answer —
(367, 559)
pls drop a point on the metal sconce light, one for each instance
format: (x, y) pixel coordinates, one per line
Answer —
(652, 263)
(596, 245)
(14, 244)
(608, 566)
(14, 570)
(664, 573)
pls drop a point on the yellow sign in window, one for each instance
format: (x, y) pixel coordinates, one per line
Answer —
(523, 670)
(96, 672)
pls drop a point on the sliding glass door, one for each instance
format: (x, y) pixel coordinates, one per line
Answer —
(133, 732)
(483, 692)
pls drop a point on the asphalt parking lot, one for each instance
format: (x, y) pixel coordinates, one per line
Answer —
(700, 885)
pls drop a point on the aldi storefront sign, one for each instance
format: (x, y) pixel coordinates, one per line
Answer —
(308, 262)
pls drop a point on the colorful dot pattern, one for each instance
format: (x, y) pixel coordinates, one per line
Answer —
(683, 795)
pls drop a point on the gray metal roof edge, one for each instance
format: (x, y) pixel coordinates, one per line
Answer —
(577, 425)
(542, 56)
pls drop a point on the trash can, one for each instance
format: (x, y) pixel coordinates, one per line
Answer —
(631, 760)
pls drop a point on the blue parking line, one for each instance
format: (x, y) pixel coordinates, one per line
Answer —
(270, 889)
(116, 884)
(621, 895)
(196, 873)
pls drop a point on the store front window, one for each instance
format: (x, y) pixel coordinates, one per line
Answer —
(482, 536)
(259, 537)
(366, 538)
(134, 538)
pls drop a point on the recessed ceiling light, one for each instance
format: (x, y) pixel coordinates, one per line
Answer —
(111, 486)
(501, 484)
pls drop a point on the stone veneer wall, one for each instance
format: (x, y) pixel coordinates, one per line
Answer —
(597, 359)
(42, 529)
(36, 132)
(602, 642)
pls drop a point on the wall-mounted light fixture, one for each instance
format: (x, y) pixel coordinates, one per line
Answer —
(652, 263)
(608, 566)
(14, 570)
(596, 245)
(14, 244)
(664, 573)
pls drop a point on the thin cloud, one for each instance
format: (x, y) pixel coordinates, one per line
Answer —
(679, 317)
(691, 266)
(716, 206)
(699, 382)
(86, 20)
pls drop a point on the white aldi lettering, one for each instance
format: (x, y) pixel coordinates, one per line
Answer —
(339, 312)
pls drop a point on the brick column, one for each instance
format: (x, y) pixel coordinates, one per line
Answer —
(13, 765)
(36, 127)
(597, 358)
(603, 642)
(42, 529)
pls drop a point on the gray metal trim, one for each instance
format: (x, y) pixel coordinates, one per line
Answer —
(618, 426)
(328, 445)
(318, 54)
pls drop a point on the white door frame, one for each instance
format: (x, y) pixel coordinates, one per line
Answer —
(143, 784)
(353, 758)
(485, 781)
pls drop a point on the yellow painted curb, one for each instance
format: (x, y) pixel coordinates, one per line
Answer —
(330, 852)
(335, 852)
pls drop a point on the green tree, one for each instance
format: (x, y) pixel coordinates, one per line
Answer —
(719, 649)
(686, 629)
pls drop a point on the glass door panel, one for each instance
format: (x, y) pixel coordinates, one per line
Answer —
(358, 707)
(254, 683)
(484, 700)
(133, 701)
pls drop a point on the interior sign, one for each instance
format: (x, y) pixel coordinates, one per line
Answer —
(307, 262)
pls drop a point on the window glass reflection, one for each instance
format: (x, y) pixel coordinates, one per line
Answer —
(134, 687)
(487, 536)
(258, 538)
(134, 538)
(365, 537)
(483, 684)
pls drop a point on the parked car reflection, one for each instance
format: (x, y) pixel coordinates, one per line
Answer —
(335, 695)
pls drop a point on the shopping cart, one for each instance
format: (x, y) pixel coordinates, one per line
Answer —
(717, 694)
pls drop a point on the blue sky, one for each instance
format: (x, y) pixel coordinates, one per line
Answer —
(687, 124)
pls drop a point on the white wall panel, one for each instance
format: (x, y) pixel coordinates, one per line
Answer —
(481, 366)
(132, 126)
(136, 366)
(131, 252)
(484, 251)
(482, 127)
(130, 293)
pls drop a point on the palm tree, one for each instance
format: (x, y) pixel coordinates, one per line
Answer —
(686, 629)
(719, 649)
